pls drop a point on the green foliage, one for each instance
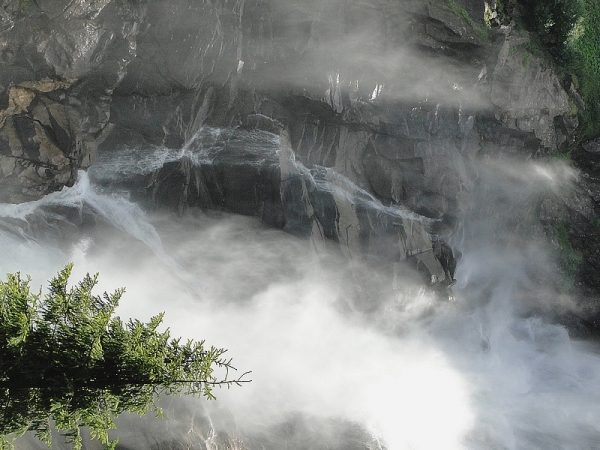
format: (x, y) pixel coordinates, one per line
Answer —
(65, 358)
(495, 13)
(523, 52)
(459, 11)
(500, 8)
(552, 21)
(570, 258)
(481, 31)
(584, 43)
(566, 157)
(570, 31)
(535, 47)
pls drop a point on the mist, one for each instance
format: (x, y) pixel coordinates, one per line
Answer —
(341, 356)
(365, 51)
(410, 371)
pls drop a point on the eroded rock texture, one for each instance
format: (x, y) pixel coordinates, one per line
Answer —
(59, 63)
(381, 112)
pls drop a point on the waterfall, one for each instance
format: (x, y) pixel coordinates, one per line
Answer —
(413, 372)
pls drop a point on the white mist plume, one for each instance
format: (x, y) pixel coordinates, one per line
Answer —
(473, 374)
(368, 51)
(305, 355)
(276, 312)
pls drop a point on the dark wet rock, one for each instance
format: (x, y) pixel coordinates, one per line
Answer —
(46, 136)
(59, 64)
(455, 28)
(399, 99)
(525, 109)
(592, 146)
(255, 173)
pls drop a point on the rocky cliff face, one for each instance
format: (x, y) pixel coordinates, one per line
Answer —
(59, 63)
(380, 110)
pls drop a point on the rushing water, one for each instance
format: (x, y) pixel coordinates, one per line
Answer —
(413, 373)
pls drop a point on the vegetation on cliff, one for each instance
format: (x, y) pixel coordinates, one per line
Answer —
(570, 31)
(66, 361)
(584, 43)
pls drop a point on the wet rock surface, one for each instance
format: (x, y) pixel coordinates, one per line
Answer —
(59, 62)
(396, 101)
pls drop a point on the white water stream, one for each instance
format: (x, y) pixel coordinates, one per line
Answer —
(414, 374)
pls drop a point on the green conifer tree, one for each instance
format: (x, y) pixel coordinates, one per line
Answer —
(66, 360)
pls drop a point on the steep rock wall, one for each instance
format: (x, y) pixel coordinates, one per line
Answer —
(401, 99)
(59, 64)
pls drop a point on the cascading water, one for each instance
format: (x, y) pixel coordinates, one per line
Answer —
(413, 373)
